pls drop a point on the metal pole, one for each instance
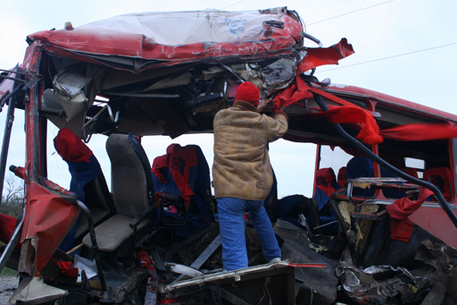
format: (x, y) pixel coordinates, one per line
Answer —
(6, 139)
(94, 247)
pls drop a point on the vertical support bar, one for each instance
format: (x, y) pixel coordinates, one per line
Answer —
(32, 62)
(6, 139)
(94, 245)
(32, 129)
(43, 147)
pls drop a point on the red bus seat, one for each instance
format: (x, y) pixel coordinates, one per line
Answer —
(410, 171)
(341, 179)
(441, 178)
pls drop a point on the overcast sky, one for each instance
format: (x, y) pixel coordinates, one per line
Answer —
(404, 48)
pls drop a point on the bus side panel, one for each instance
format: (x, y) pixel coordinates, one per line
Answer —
(433, 219)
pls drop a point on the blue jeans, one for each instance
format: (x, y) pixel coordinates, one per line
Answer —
(231, 225)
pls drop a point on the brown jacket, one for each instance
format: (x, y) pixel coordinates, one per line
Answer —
(241, 167)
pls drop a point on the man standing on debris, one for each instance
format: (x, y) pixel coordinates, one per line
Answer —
(242, 173)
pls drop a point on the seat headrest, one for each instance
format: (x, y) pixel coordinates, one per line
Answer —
(325, 176)
(70, 147)
(440, 177)
(342, 176)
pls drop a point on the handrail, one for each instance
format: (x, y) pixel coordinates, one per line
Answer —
(94, 245)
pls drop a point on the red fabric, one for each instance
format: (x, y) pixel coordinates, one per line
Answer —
(248, 92)
(67, 269)
(400, 226)
(347, 113)
(369, 134)
(160, 162)
(316, 57)
(7, 226)
(326, 180)
(178, 160)
(369, 129)
(331, 97)
(292, 94)
(70, 147)
(180, 169)
(421, 132)
(342, 176)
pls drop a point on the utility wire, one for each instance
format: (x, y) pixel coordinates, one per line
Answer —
(348, 13)
(334, 17)
(235, 4)
(389, 57)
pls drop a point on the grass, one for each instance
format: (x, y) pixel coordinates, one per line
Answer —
(8, 272)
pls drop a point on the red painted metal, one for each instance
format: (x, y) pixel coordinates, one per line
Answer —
(316, 57)
(48, 219)
(85, 42)
(48, 216)
(401, 104)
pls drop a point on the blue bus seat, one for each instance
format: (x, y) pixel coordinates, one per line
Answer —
(183, 189)
(87, 182)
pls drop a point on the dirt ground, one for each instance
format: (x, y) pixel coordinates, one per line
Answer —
(8, 284)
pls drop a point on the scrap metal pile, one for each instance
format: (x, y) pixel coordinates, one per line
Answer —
(360, 266)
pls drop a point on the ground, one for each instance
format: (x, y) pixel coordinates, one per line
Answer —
(8, 284)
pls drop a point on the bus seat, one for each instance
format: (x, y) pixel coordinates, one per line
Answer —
(363, 167)
(441, 178)
(410, 171)
(7, 226)
(360, 167)
(132, 190)
(325, 184)
(291, 206)
(341, 179)
(99, 201)
(87, 182)
(182, 186)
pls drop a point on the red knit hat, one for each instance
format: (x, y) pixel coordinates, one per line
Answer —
(248, 92)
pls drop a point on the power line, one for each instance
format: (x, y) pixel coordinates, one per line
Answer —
(352, 12)
(233, 4)
(393, 56)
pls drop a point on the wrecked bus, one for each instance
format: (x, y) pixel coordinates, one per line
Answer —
(379, 228)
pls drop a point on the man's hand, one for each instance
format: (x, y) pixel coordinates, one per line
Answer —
(263, 104)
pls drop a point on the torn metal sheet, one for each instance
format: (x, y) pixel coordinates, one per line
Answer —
(201, 259)
(69, 86)
(139, 41)
(271, 283)
(50, 218)
(381, 284)
(279, 74)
